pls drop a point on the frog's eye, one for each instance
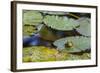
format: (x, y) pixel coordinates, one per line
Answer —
(69, 44)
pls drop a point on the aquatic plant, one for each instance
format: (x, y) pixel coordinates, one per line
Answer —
(60, 23)
(73, 44)
(84, 26)
(49, 36)
(27, 59)
(32, 17)
(54, 13)
(41, 54)
(82, 56)
(29, 30)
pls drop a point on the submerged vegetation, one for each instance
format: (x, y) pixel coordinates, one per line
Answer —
(56, 36)
(41, 54)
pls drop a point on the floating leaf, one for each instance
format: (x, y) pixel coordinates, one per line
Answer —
(73, 44)
(27, 59)
(44, 54)
(39, 27)
(28, 30)
(86, 56)
(32, 17)
(84, 28)
(55, 13)
(83, 56)
(41, 54)
(74, 57)
(47, 34)
(60, 23)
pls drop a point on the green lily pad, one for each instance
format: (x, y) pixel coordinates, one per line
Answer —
(29, 30)
(32, 17)
(55, 12)
(85, 27)
(60, 23)
(42, 54)
(73, 44)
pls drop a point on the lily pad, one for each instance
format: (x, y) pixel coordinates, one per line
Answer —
(84, 28)
(32, 17)
(42, 54)
(60, 23)
(73, 44)
(29, 30)
(55, 12)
